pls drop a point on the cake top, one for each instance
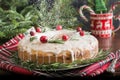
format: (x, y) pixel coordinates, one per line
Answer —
(57, 40)
(56, 37)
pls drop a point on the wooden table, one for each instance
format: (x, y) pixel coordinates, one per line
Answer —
(112, 43)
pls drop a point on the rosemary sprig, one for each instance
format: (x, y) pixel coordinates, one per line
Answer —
(32, 38)
(56, 41)
(56, 66)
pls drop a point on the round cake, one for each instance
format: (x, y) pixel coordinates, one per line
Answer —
(62, 46)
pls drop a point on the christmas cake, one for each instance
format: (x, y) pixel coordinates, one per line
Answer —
(57, 45)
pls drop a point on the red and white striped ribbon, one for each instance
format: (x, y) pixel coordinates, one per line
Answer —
(88, 70)
(10, 67)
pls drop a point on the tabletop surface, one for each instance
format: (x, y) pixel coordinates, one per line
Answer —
(112, 43)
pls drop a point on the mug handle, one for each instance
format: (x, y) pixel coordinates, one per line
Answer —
(87, 8)
(117, 17)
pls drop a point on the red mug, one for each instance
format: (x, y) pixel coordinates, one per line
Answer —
(101, 24)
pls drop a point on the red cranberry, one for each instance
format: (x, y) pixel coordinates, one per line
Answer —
(43, 39)
(21, 35)
(32, 33)
(38, 29)
(78, 29)
(58, 27)
(82, 33)
(65, 37)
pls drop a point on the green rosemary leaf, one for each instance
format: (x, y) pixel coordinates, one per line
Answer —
(32, 38)
(56, 41)
(55, 64)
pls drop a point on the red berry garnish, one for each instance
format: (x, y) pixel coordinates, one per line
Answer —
(32, 33)
(43, 39)
(78, 29)
(82, 33)
(21, 35)
(65, 37)
(38, 29)
(58, 27)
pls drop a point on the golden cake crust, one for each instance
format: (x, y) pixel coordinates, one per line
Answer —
(49, 57)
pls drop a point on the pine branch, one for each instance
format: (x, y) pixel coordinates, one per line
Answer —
(13, 22)
(62, 12)
(2, 34)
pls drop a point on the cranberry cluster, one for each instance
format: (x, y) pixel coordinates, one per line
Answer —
(81, 32)
(37, 29)
(44, 39)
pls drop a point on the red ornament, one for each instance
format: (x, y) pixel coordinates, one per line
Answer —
(43, 39)
(65, 37)
(38, 29)
(82, 33)
(58, 27)
(32, 33)
(78, 29)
